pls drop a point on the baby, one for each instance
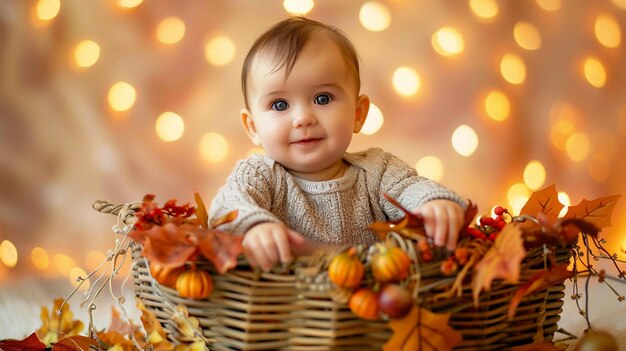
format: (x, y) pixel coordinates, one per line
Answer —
(301, 85)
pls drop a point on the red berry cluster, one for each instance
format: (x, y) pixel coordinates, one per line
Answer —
(425, 250)
(450, 265)
(489, 227)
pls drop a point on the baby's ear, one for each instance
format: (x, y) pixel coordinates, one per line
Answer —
(360, 114)
(248, 126)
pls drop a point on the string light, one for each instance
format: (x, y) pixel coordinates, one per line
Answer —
(129, 3)
(607, 31)
(527, 36)
(121, 96)
(513, 69)
(594, 72)
(8, 254)
(86, 53)
(564, 200)
(484, 9)
(497, 105)
(578, 146)
(534, 175)
(46, 10)
(549, 5)
(40, 258)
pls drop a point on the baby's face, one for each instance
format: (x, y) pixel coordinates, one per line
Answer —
(305, 121)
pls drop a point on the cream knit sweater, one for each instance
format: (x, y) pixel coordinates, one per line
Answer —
(336, 211)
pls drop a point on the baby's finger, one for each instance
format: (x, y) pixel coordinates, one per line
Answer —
(440, 226)
(454, 225)
(282, 245)
(248, 250)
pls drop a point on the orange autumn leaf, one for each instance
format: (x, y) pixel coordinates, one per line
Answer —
(75, 343)
(170, 245)
(537, 346)
(502, 261)
(423, 330)
(156, 336)
(546, 202)
(221, 249)
(542, 280)
(410, 225)
(597, 212)
(201, 212)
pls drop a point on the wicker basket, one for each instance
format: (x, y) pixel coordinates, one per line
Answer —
(292, 308)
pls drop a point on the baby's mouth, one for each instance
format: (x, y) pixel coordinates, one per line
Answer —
(307, 141)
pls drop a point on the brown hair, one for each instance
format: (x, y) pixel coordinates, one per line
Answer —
(286, 39)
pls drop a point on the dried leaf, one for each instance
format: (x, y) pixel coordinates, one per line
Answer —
(556, 274)
(421, 329)
(58, 323)
(116, 340)
(185, 324)
(201, 212)
(546, 202)
(538, 346)
(74, 343)
(30, 343)
(171, 245)
(501, 261)
(221, 249)
(597, 212)
(410, 225)
(154, 329)
(229, 217)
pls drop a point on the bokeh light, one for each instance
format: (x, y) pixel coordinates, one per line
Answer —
(599, 167)
(527, 36)
(170, 30)
(406, 81)
(46, 10)
(220, 51)
(74, 276)
(374, 16)
(513, 69)
(564, 200)
(497, 105)
(93, 260)
(129, 3)
(169, 126)
(608, 31)
(464, 140)
(447, 41)
(430, 167)
(86, 53)
(121, 96)
(213, 147)
(517, 196)
(374, 121)
(594, 72)
(63, 264)
(8, 253)
(534, 175)
(484, 9)
(578, 146)
(40, 258)
(549, 5)
(298, 7)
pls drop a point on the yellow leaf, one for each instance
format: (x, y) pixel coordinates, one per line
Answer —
(201, 212)
(422, 330)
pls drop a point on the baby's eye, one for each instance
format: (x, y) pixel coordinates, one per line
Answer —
(280, 105)
(323, 99)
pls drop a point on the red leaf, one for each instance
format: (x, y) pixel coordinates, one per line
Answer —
(410, 225)
(597, 212)
(31, 343)
(221, 249)
(545, 201)
(542, 280)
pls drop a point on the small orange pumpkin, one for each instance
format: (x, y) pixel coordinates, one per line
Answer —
(364, 303)
(194, 284)
(346, 270)
(391, 264)
(165, 276)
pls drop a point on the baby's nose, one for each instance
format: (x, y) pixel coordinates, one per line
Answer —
(304, 117)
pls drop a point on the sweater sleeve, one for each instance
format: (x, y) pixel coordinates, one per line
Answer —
(248, 190)
(402, 182)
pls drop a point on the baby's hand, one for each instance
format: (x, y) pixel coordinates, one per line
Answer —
(442, 221)
(267, 243)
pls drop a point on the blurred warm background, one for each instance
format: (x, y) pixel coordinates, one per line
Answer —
(114, 99)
